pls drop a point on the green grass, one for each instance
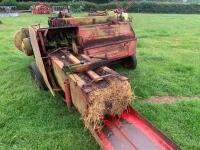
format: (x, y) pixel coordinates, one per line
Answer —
(168, 64)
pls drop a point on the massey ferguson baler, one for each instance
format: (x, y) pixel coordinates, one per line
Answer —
(73, 56)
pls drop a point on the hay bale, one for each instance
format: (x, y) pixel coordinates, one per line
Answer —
(18, 40)
(111, 100)
(25, 33)
(19, 36)
(26, 47)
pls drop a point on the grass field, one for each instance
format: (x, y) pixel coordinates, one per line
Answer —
(168, 64)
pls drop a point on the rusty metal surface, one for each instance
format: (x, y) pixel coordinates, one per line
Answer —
(78, 21)
(101, 31)
(38, 57)
(58, 72)
(113, 40)
(79, 98)
(77, 68)
(113, 51)
(102, 36)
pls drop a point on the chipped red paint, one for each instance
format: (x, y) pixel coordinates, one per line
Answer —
(104, 141)
(104, 31)
(132, 132)
(115, 50)
(68, 95)
(114, 41)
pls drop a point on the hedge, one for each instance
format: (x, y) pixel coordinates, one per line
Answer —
(165, 8)
(144, 7)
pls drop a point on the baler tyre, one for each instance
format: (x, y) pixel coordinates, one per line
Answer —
(37, 77)
(130, 62)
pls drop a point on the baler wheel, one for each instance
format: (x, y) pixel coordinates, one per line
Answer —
(37, 77)
(130, 62)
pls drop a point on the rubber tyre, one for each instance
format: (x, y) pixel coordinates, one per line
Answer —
(130, 62)
(37, 77)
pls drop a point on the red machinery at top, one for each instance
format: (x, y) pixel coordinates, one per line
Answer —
(41, 8)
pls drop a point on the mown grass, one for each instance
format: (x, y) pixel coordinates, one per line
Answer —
(168, 64)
